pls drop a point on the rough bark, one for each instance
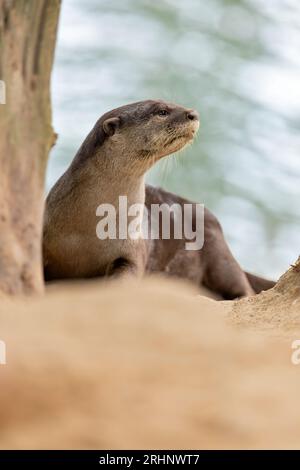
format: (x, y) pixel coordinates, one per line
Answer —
(27, 41)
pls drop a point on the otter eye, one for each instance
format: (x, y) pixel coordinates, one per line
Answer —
(163, 112)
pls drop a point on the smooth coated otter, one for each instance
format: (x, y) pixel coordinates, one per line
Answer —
(112, 161)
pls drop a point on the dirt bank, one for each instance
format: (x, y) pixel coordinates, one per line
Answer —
(149, 365)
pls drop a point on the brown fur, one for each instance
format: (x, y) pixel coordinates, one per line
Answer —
(112, 161)
(213, 266)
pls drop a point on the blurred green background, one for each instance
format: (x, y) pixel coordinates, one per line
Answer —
(237, 63)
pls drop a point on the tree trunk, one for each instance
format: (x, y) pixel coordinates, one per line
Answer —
(27, 42)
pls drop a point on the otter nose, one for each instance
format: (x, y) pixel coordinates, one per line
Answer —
(192, 115)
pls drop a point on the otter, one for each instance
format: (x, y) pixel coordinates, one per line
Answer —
(112, 161)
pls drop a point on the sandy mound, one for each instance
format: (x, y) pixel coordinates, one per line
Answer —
(142, 366)
(278, 308)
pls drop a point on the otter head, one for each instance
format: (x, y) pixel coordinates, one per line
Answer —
(147, 131)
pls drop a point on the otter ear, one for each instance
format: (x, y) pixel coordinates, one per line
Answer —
(111, 125)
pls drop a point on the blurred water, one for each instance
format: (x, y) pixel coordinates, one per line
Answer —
(238, 63)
